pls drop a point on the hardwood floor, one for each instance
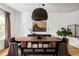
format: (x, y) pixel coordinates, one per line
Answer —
(73, 50)
(4, 52)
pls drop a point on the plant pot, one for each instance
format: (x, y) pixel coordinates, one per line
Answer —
(64, 39)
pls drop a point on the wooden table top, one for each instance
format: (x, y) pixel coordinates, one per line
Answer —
(35, 39)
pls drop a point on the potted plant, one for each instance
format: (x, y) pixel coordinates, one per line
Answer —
(64, 32)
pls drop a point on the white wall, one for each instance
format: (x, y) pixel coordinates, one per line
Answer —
(55, 21)
(26, 23)
(58, 20)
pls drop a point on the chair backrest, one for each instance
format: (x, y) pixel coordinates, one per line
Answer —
(13, 40)
(62, 48)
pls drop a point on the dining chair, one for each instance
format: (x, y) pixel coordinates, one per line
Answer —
(13, 47)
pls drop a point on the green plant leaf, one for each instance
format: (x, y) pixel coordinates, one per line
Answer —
(64, 32)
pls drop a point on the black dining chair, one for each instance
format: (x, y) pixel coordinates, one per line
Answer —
(14, 47)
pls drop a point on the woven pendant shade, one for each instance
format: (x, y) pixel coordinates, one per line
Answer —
(39, 14)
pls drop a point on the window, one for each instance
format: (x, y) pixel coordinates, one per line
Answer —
(2, 26)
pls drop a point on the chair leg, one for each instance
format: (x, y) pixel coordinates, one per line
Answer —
(22, 52)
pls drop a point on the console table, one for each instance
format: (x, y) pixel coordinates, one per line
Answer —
(24, 42)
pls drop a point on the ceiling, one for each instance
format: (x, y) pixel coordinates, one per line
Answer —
(50, 7)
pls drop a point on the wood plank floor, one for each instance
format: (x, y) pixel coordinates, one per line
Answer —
(73, 50)
(4, 52)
